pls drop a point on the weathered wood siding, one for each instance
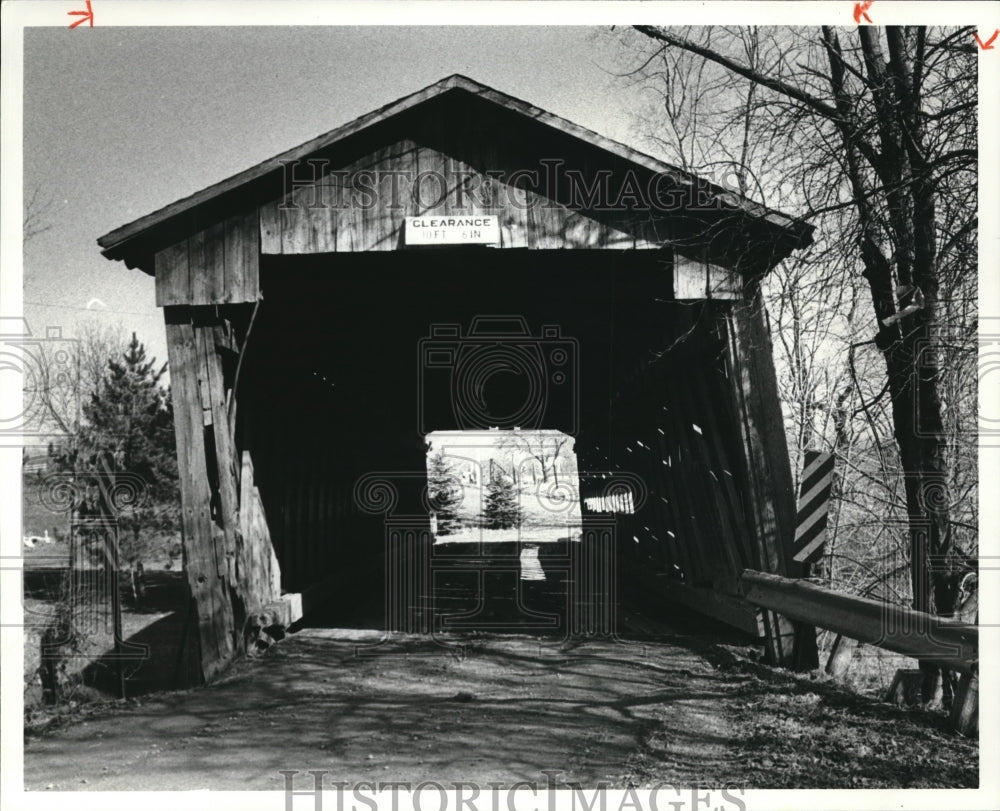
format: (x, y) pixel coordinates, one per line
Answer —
(361, 205)
(697, 279)
(258, 564)
(406, 179)
(770, 487)
(205, 562)
(674, 427)
(230, 565)
(218, 265)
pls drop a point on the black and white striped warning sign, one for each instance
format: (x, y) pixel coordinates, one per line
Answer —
(814, 499)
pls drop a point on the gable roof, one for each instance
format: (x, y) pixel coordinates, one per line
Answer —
(135, 241)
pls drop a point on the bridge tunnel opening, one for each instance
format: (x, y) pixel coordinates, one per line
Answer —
(356, 360)
(505, 513)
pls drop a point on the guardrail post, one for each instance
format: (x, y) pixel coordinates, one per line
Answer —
(841, 655)
(965, 706)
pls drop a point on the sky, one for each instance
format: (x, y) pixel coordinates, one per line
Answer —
(119, 122)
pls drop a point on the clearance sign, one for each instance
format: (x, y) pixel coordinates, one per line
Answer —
(477, 229)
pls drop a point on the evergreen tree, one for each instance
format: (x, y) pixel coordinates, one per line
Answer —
(445, 494)
(501, 509)
(129, 427)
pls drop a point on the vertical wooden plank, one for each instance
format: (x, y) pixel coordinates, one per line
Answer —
(198, 265)
(263, 575)
(685, 538)
(246, 514)
(170, 267)
(250, 258)
(378, 214)
(234, 280)
(304, 219)
(698, 483)
(274, 566)
(307, 536)
(665, 461)
(382, 221)
(326, 500)
(206, 339)
(723, 538)
(531, 225)
(669, 506)
(270, 228)
(319, 535)
(215, 264)
(340, 219)
(658, 511)
(431, 171)
(723, 283)
(405, 165)
(690, 278)
(294, 220)
(263, 552)
(515, 216)
(733, 508)
(755, 387)
(289, 542)
(214, 612)
(258, 542)
(685, 492)
(202, 349)
(293, 522)
(319, 475)
(367, 219)
(767, 471)
(580, 231)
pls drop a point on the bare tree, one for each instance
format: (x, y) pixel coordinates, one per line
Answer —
(39, 213)
(872, 133)
(545, 447)
(66, 373)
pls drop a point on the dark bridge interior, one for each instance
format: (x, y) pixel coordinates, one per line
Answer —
(351, 363)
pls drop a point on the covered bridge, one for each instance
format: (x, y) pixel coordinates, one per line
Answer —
(319, 307)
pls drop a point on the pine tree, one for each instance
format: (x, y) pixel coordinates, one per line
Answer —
(501, 509)
(129, 427)
(445, 494)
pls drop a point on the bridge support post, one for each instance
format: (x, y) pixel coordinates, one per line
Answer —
(768, 473)
(205, 561)
(222, 570)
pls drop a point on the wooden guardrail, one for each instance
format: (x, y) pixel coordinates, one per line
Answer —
(945, 642)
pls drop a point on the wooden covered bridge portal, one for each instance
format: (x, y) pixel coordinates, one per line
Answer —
(300, 311)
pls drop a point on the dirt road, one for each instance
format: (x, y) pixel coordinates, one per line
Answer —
(508, 709)
(664, 709)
